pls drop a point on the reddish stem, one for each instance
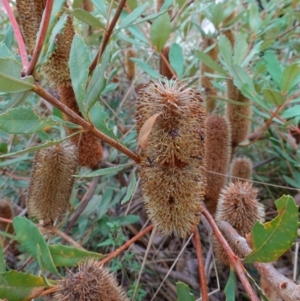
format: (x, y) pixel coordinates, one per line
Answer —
(6, 220)
(18, 34)
(198, 247)
(126, 245)
(234, 260)
(41, 38)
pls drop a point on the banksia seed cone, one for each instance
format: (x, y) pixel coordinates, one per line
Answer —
(238, 114)
(239, 207)
(241, 168)
(173, 161)
(205, 83)
(163, 67)
(130, 66)
(51, 182)
(30, 16)
(218, 147)
(91, 283)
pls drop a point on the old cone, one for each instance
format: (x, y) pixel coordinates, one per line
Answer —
(173, 157)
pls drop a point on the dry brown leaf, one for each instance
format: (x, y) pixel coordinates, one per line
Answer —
(146, 130)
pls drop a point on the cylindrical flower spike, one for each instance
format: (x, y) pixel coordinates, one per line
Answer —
(241, 168)
(130, 66)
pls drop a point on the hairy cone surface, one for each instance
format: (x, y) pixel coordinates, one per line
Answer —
(130, 66)
(218, 147)
(30, 16)
(52, 181)
(241, 168)
(239, 207)
(91, 283)
(173, 163)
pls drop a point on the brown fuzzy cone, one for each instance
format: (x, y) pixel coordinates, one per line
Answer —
(91, 283)
(90, 151)
(241, 168)
(163, 68)
(30, 16)
(238, 114)
(130, 66)
(173, 162)
(218, 147)
(205, 81)
(239, 207)
(57, 67)
(51, 182)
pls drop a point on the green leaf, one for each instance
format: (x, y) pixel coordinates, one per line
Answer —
(99, 118)
(160, 31)
(16, 99)
(10, 77)
(176, 59)
(289, 76)
(230, 286)
(5, 52)
(85, 17)
(292, 182)
(272, 239)
(240, 49)
(23, 120)
(147, 68)
(97, 82)
(130, 190)
(225, 49)
(79, 63)
(69, 256)
(17, 286)
(273, 96)
(241, 77)
(2, 261)
(29, 237)
(261, 293)
(291, 112)
(133, 16)
(100, 5)
(183, 292)
(273, 67)
(209, 62)
(254, 18)
(103, 171)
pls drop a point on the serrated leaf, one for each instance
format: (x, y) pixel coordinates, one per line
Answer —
(133, 16)
(86, 17)
(225, 49)
(209, 62)
(176, 59)
(69, 256)
(272, 239)
(29, 237)
(79, 63)
(240, 49)
(17, 286)
(23, 120)
(273, 96)
(289, 76)
(241, 77)
(103, 171)
(10, 77)
(183, 292)
(130, 190)
(160, 31)
(99, 118)
(146, 67)
(97, 82)
(273, 67)
(230, 287)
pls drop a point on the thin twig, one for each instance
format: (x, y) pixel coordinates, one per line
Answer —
(18, 34)
(202, 277)
(41, 38)
(107, 35)
(126, 245)
(82, 122)
(234, 260)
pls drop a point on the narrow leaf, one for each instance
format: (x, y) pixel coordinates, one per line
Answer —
(160, 31)
(2, 261)
(133, 16)
(291, 112)
(273, 67)
(289, 76)
(130, 190)
(272, 239)
(147, 68)
(103, 171)
(225, 49)
(17, 286)
(176, 59)
(86, 17)
(5, 52)
(29, 237)
(240, 49)
(230, 286)
(273, 96)
(183, 292)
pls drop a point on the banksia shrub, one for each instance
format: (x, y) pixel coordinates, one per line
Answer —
(30, 16)
(130, 66)
(218, 147)
(205, 81)
(51, 182)
(173, 160)
(163, 67)
(91, 283)
(238, 114)
(239, 207)
(241, 168)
